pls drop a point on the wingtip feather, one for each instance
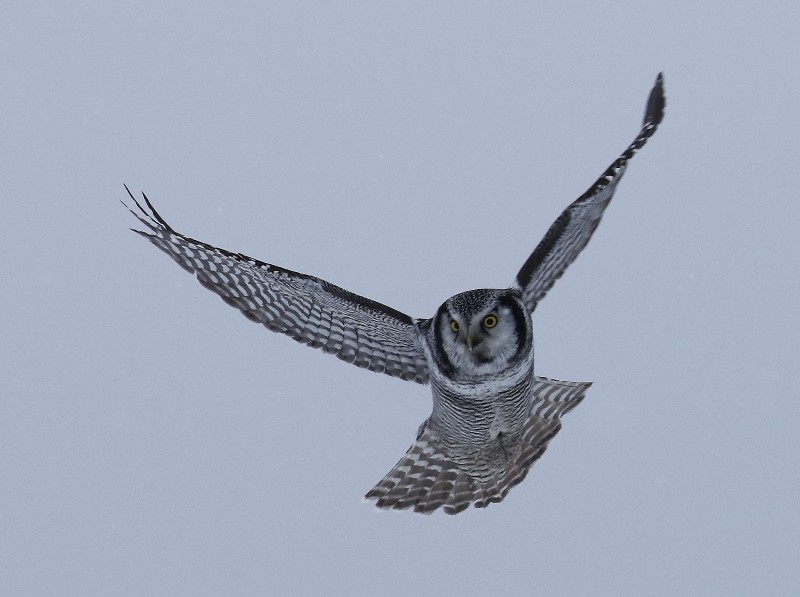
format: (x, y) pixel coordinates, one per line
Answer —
(656, 102)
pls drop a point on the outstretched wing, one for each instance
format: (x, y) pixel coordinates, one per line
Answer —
(430, 476)
(312, 311)
(572, 230)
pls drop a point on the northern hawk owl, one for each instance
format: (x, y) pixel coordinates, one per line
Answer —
(492, 416)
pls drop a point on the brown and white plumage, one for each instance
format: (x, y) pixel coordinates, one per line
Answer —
(492, 417)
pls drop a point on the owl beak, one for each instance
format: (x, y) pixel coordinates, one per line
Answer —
(469, 343)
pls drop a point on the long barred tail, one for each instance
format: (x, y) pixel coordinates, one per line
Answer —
(427, 478)
(553, 398)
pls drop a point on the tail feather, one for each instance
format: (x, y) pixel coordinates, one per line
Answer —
(552, 398)
(426, 478)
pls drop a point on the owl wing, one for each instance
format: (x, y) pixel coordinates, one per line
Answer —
(310, 310)
(431, 476)
(572, 230)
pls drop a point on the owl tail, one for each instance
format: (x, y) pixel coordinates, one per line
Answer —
(427, 478)
(552, 399)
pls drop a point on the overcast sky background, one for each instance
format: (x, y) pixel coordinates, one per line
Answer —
(154, 442)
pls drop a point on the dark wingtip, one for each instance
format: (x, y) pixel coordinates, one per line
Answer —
(156, 215)
(129, 195)
(656, 103)
(151, 213)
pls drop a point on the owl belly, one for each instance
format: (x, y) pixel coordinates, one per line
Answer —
(482, 415)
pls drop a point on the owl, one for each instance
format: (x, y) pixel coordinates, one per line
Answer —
(492, 416)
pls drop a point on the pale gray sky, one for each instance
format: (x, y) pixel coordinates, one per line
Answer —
(154, 442)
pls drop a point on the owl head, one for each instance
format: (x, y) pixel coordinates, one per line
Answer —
(481, 332)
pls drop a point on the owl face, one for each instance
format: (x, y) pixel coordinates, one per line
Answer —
(481, 331)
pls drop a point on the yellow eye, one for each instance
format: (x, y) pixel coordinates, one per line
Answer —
(490, 321)
(454, 326)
